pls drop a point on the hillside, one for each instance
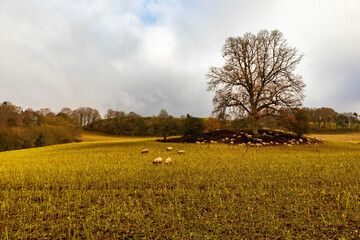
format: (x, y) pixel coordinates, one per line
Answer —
(110, 190)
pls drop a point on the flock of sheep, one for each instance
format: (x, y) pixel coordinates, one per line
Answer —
(253, 141)
(159, 159)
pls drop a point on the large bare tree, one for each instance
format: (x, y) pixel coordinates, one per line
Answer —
(257, 78)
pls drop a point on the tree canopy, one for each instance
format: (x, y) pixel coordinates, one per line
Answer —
(257, 78)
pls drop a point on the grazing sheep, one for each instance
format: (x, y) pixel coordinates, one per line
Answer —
(203, 142)
(239, 136)
(197, 142)
(276, 135)
(234, 135)
(249, 143)
(168, 161)
(226, 138)
(181, 152)
(169, 149)
(211, 141)
(145, 150)
(223, 140)
(231, 142)
(301, 141)
(259, 140)
(285, 144)
(157, 160)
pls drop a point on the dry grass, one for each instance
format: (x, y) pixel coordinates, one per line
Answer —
(88, 136)
(350, 137)
(109, 190)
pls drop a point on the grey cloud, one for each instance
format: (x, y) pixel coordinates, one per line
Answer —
(105, 54)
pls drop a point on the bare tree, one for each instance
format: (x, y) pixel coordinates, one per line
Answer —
(257, 78)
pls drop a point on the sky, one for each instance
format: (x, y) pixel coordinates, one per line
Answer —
(148, 55)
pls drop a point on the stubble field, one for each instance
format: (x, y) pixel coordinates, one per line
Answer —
(109, 190)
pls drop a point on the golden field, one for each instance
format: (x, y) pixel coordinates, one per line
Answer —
(103, 190)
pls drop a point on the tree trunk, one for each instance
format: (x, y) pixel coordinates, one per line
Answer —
(254, 124)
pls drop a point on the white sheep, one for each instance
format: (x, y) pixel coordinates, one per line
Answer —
(181, 152)
(168, 161)
(169, 149)
(157, 160)
(145, 150)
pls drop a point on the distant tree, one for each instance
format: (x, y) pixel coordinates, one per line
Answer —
(257, 78)
(87, 115)
(211, 124)
(193, 128)
(296, 120)
(166, 124)
(342, 121)
(326, 115)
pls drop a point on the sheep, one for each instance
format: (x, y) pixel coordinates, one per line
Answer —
(181, 152)
(234, 135)
(169, 149)
(145, 150)
(168, 161)
(226, 138)
(301, 141)
(231, 142)
(157, 160)
(197, 142)
(259, 140)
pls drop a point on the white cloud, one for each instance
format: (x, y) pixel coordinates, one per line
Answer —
(146, 55)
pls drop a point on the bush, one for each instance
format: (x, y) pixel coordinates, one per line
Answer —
(193, 128)
(296, 120)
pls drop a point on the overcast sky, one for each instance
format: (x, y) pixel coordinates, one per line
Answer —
(142, 56)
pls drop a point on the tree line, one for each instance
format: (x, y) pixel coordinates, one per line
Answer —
(131, 124)
(28, 128)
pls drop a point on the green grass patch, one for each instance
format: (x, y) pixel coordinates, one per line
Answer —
(110, 190)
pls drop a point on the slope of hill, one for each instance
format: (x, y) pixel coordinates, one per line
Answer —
(110, 190)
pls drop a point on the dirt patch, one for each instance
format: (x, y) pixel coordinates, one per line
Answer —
(266, 137)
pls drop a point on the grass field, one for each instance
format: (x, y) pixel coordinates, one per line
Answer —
(109, 189)
(88, 136)
(350, 137)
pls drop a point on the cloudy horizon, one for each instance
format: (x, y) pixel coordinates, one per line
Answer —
(147, 55)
